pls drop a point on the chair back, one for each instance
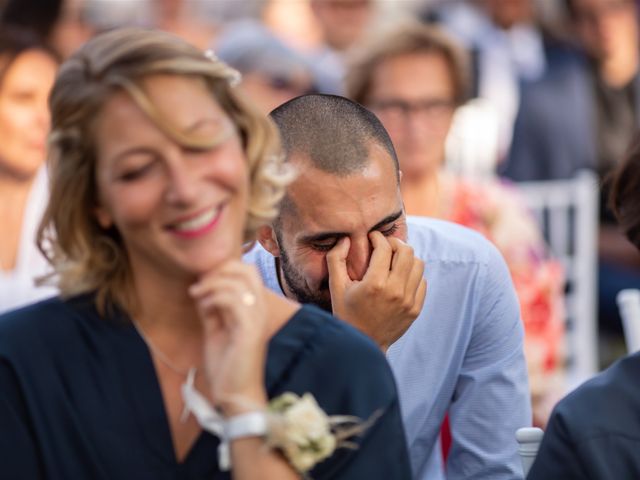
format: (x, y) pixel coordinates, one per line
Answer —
(629, 305)
(529, 439)
(567, 212)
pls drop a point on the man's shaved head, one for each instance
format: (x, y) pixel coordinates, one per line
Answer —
(333, 133)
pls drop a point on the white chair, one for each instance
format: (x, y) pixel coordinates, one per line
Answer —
(529, 439)
(629, 305)
(567, 212)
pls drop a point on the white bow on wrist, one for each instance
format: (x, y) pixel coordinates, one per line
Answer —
(207, 416)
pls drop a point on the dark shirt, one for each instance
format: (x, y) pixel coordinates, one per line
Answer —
(594, 433)
(80, 399)
(616, 125)
(616, 122)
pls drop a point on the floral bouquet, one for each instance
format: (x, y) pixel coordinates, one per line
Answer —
(295, 425)
(305, 434)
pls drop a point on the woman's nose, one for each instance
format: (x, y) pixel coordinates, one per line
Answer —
(181, 187)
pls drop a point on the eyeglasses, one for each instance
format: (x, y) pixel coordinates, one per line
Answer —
(282, 83)
(429, 110)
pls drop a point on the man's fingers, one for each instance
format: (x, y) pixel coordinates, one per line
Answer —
(403, 259)
(337, 266)
(415, 276)
(380, 261)
(421, 294)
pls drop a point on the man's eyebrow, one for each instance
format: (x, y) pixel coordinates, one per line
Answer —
(388, 219)
(319, 237)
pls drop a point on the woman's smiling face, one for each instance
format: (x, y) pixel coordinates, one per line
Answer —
(178, 210)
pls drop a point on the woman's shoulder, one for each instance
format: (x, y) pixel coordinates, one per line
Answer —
(33, 316)
(316, 341)
(48, 321)
(337, 339)
(348, 375)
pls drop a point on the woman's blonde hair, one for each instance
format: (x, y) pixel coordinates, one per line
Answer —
(86, 257)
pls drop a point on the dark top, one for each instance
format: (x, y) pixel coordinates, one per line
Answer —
(616, 125)
(616, 122)
(594, 433)
(79, 397)
(558, 128)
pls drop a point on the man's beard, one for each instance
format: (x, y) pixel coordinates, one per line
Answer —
(297, 285)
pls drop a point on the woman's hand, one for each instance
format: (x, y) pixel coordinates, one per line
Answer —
(231, 304)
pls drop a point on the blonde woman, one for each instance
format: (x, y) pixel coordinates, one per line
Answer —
(165, 357)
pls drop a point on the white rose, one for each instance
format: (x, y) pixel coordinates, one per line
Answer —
(326, 445)
(306, 420)
(303, 460)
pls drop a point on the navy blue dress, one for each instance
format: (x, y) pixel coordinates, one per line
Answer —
(79, 397)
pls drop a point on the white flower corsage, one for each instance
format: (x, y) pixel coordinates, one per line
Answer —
(295, 425)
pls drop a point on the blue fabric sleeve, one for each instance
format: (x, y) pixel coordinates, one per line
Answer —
(491, 399)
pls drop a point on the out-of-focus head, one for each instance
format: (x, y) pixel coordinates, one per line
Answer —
(155, 162)
(624, 196)
(27, 72)
(347, 185)
(413, 78)
(507, 13)
(39, 17)
(343, 22)
(604, 27)
(272, 73)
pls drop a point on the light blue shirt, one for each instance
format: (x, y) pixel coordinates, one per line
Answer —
(462, 355)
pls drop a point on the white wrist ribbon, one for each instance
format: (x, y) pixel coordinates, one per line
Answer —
(251, 424)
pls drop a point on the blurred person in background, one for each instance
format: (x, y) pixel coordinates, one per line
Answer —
(186, 19)
(507, 47)
(272, 73)
(582, 115)
(61, 24)
(39, 17)
(583, 112)
(343, 24)
(27, 71)
(413, 79)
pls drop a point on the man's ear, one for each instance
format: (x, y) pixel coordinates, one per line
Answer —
(267, 238)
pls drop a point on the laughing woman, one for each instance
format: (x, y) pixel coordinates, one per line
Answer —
(165, 357)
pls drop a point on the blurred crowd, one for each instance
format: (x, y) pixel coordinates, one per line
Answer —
(477, 96)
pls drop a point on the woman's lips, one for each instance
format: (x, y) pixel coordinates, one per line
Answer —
(198, 225)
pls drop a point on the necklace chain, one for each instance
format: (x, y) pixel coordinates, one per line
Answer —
(161, 355)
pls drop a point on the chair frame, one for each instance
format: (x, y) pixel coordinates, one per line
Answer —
(558, 205)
